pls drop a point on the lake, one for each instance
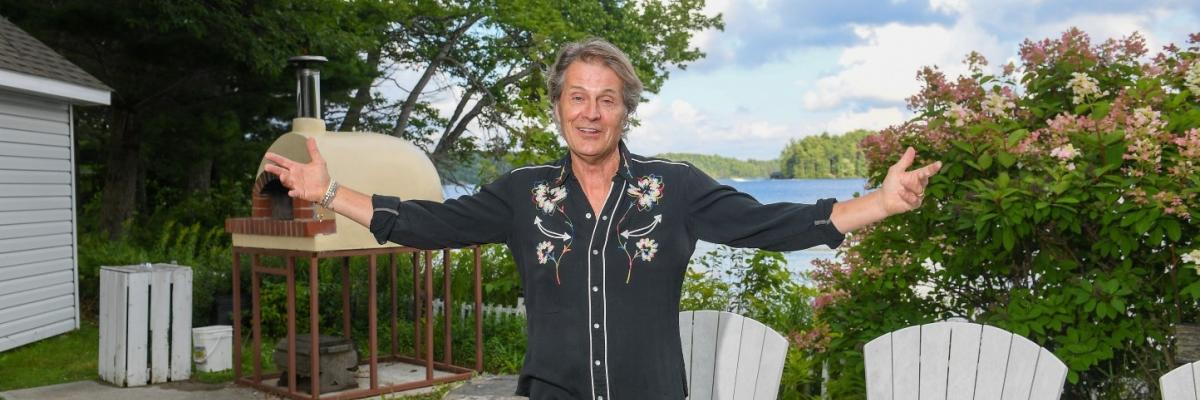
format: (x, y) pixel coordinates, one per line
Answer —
(771, 191)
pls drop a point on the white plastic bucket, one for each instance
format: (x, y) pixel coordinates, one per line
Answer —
(212, 348)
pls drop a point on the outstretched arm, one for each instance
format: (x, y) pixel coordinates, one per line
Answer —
(902, 190)
(309, 181)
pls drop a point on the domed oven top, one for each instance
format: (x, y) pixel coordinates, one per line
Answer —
(368, 162)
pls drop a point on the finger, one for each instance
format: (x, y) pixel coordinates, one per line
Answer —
(281, 160)
(906, 160)
(274, 169)
(915, 185)
(909, 198)
(931, 169)
(294, 193)
(313, 153)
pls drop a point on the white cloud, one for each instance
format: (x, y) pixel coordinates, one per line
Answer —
(883, 67)
(871, 119)
(948, 7)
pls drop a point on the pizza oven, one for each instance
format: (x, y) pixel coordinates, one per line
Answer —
(282, 234)
(370, 163)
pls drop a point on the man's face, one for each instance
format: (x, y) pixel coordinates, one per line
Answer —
(590, 110)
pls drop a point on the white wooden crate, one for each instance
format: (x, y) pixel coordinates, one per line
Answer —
(145, 324)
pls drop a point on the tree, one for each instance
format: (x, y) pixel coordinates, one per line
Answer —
(198, 86)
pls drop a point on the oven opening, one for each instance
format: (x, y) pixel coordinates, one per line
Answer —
(281, 204)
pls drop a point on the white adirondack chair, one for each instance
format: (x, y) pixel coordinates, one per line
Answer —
(727, 356)
(960, 360)
(1180, 383)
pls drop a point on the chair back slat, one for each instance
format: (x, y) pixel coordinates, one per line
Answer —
(1022, 362)
(704, 355)
(906, 363)
(1180, 383)
(729, 342)
(1048, 380)
(878, 356)
(685, 341)
(770, 372)
(935, 361)
(965, 339)
(749, 359)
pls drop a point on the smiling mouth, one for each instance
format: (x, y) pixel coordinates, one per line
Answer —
(588, 131)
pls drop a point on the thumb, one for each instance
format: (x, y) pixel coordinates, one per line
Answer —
(315, 155)
(906, 160)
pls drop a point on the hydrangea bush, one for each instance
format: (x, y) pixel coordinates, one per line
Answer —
(1066, 211)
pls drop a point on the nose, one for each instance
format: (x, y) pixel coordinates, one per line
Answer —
(592, 111)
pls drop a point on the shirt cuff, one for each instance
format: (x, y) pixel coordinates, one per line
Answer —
(823, 228)
(385, 216)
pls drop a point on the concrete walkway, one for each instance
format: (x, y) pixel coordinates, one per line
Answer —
(93, 390)
(487, 387)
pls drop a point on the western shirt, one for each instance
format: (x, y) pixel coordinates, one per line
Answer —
(602, 288)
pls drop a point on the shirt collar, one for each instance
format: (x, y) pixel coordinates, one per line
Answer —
(624, 169)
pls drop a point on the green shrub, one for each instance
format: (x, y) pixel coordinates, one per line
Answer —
(1062, 213)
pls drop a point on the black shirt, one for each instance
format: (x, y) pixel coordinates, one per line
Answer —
(602, 290)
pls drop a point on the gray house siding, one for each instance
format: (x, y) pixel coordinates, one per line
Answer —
(38, 257)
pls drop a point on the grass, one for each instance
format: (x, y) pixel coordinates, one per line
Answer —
(64, 358)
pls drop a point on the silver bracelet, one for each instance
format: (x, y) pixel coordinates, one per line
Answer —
(329, 194)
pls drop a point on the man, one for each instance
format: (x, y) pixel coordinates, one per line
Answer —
(603, 237)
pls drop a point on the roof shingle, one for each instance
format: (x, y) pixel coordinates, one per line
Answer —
(21, 52)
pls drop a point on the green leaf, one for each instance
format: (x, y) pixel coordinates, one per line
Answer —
(964, 146)
(1006, 160)
(1008, 238)
(1144, 225)
(1101, 110)
(1017, 136)
(1173, 230)
(985, 161)
(1002, 180)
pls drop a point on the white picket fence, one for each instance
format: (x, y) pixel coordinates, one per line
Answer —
(492, 311)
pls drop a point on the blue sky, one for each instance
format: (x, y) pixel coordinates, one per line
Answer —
(785, 69)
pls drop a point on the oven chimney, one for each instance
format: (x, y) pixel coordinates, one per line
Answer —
(308, 85)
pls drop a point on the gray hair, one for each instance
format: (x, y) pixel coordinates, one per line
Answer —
(596, 50)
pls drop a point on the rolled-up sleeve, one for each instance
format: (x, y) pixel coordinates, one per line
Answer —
(721, 214)
(484, 217)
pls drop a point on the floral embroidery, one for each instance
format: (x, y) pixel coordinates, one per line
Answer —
(543, 252)
(547, 198)
(646, 249)
(646, 192)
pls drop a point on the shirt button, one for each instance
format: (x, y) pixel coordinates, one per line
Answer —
(604, 217)
(597, 362)
(588, 215)
(595, 288)
(597, 326)
(599, 397)
(595, 252)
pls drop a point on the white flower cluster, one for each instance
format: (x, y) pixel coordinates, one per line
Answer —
(1084, 87)
(959, 114)
(1147, 117)
(997, 104)
(1192, 257)
(1191, 79)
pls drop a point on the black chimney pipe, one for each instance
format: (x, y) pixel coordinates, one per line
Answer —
(308, 85)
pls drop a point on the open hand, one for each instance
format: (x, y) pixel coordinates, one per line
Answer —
(904, 190)
(304, 181)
